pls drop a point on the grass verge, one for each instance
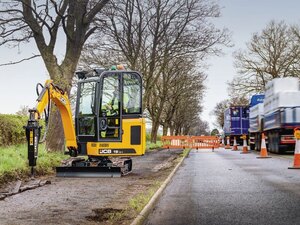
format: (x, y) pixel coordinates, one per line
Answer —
(135, 205)
(14, 163)
(138, 202)
(186, 152)
(151, 146)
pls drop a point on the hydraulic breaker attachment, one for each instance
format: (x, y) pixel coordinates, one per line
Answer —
(33, 133)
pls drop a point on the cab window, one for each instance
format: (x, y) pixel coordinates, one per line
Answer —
(110, 96)
(86, 109)
(131, 94)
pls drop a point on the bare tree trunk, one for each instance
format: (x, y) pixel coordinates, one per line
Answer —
(55, 135)
(165, 130)
(171, 130)
(176, 132)
(154, 130)
(55, 140)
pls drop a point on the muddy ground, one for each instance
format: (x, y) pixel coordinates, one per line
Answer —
(88, 200)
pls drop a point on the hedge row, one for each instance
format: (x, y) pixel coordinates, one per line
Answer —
(11, 129)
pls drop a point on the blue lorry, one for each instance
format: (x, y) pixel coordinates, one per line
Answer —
(236, 123)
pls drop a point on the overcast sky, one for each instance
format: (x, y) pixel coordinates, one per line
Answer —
(241, 17)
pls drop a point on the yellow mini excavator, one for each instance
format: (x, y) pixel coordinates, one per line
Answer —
(108, 123)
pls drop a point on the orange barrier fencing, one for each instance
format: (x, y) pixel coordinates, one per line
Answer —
(175, 141)
(197, 142)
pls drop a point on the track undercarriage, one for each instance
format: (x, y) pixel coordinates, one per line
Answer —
(95, 167)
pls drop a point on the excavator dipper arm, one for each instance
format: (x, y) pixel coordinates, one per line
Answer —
(50, 93)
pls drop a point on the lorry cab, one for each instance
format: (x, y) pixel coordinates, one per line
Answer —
(108, 117)
(236, 122)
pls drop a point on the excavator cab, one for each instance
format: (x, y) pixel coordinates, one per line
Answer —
(108, 117)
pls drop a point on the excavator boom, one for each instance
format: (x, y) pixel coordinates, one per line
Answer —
(53, 93)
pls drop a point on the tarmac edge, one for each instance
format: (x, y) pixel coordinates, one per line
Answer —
(151, 204)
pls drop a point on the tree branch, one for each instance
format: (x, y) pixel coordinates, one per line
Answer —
(97, 8)
(22, 60)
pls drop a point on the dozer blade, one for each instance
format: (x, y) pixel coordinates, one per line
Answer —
(86, 171)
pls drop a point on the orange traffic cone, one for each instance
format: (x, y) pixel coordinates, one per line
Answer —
(227, 143)
(234, 148)
(263, 149)
(245, 147)
(297, 153)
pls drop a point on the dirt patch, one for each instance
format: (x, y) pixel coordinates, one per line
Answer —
(90, 200)
(167, 164)
(106, 214)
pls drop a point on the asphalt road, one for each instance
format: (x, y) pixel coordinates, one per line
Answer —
(226, 187)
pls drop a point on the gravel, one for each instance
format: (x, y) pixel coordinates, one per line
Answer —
(76, 200)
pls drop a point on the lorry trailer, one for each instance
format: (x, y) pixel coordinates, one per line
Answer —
(276, 114)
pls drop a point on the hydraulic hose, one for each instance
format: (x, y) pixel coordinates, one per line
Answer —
(46, 112)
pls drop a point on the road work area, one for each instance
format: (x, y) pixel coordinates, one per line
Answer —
(226, 187)
(89, 200)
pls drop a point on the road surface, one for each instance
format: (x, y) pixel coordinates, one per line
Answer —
(226, 187)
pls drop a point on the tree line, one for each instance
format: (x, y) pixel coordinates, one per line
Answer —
(167, 41)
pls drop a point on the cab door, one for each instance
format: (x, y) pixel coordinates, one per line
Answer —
(86, 114)
(110, 113)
